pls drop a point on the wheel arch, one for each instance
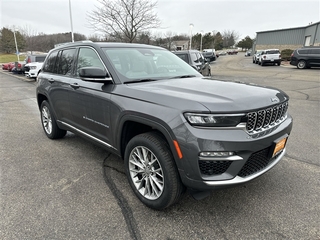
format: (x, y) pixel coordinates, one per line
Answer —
(132, 125)
(40, 98)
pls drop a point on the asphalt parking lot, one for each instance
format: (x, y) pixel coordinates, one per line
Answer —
(71, 189)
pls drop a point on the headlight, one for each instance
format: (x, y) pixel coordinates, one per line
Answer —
(213, 120)
(33, 67)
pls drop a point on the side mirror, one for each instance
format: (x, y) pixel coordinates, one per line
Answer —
(94, 74)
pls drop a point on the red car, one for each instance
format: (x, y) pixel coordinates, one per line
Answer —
(5, 66)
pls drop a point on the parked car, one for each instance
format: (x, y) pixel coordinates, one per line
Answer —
(222, 53)
(31, 59)
(5, 66)
(270, 56)
(173, 128)
(18, 67)
(195, 59)
(255, 58)
(232, 52)
(209, 54)
(32, 69)
(306, 57)
(248, 53)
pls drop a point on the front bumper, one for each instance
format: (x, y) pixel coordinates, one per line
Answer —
(31, 73)
(252, 156)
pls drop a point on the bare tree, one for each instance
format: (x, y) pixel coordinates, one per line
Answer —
(229, 38)
(168, 35)
(124, 19)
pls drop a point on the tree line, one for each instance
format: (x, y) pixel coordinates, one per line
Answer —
(44, 42)
(121, 21)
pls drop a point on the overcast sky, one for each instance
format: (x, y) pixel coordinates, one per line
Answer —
(244, 17)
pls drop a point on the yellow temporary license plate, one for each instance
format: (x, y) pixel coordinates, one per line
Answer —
(279, 146)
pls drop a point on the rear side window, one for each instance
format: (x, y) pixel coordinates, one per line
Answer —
(303, 51)
(40, 59)
(66, 61)
(315, 51)
(50, 64)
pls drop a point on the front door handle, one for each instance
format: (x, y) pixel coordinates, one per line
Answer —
(74, 85)
(51, 80)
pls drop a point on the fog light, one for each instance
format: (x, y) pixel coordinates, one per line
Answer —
(216, 154)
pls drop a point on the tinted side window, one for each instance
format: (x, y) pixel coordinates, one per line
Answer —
(66, 61)
(315, 51)
(184, 57)
(40, 59)
(88, 58)
(303, 51)
(50, 64)
(273, 52)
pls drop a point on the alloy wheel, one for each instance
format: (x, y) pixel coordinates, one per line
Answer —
(146, 173)
(46, 120)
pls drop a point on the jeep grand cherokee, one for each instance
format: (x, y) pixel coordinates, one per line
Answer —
(173, 128)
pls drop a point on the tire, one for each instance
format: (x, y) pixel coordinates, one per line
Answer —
(49, 123)
(262, 63)
(279, 63)
(259, 63)
(301, 64)
(156, 183)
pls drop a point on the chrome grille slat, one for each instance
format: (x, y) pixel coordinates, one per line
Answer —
(264, 118)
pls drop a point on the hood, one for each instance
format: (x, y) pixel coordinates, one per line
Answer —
(213, 95)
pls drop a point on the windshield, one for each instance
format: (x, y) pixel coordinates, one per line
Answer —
(134, 64)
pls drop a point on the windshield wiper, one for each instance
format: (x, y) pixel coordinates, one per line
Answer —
(184, 76)
(141, 80)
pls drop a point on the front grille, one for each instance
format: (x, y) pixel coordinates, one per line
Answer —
(256, 162)
(265, 118)
(213, 167)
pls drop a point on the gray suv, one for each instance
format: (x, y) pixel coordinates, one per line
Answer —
(173, 128)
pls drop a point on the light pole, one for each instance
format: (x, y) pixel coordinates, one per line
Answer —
(72, 36)
(15, 41)
(201, 32)
(191, 26)
(213, 39)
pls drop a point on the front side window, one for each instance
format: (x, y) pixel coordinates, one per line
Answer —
(50, 64)
(66, 61)
(184, 57)
(88, 58)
